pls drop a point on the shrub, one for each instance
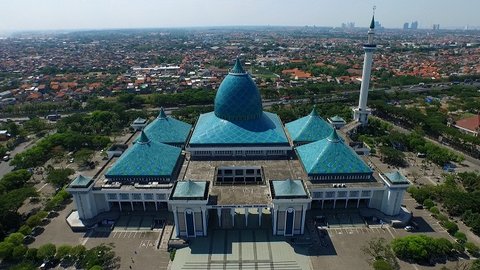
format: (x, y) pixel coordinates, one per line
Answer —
(25, 230)
(172, 254)
(434, 210)
(460, 236)
(472, 249)
(381, 265)
(450, 226)
(428, 203)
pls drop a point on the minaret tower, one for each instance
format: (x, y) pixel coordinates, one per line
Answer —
(361, 113)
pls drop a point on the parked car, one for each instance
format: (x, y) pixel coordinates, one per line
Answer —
(409, 228)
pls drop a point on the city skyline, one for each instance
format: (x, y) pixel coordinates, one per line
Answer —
(25, 15)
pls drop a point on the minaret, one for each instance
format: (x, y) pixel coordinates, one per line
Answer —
(361, 113)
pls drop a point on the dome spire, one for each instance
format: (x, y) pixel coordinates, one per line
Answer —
(334, 138)
(143, 138)
(314, 111)
(162, 114)
(237, 68)
(372, 23)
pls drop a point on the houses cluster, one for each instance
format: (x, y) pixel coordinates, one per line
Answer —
(58, 67)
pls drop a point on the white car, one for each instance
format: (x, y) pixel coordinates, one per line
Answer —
(409, 228)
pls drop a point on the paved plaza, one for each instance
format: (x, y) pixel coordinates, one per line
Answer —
(241, 249)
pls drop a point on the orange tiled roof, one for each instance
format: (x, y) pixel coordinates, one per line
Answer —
(470, 123)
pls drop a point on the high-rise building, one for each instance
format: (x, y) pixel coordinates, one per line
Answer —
(414, 25)
(361, 113)
(436, 27)
(406, 26)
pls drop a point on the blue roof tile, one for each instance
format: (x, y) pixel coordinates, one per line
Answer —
(189, 189)
(396, 178)
(331, 156)
(288, 188)
(238, 97)
(81, 182)
(309, 128)
(169, 130)
(211, 130)
(146, 158)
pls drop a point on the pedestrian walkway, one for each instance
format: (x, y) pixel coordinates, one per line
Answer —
(240, 249)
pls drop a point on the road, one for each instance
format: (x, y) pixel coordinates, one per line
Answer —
(405, 131)
(5, 165)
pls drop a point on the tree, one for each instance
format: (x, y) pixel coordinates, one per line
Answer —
(78, 252)
(31, 254)
(63, 251)
(19, 251)
(25, 230)
(23, 266)
(421, 248)
(83, 156)
(15, 238)
(393, 156)
(46, 252)
(15, 179)
(96, 267)
(6, 250)
(59, 177)
(475, 265)
(380, 253)
(382, 265)
(102, 256)
(472, 249)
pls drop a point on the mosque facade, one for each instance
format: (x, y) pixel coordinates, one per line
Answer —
(238, 159)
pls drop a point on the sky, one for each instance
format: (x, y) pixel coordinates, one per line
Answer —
(19, 15)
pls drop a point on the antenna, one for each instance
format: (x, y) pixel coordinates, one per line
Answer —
(374, 8)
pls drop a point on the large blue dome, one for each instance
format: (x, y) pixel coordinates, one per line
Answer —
(238, 98)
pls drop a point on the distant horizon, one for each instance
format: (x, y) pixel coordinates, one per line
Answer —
(58, 15)
(471, 28)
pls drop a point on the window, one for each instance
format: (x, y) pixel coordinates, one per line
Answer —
(111, 196)
(329, 194)
(148, 196)
(317, 195)
(136, 196)
(342, 194)
(160, 196)
(366, 193)
(124, 196)
(354, 193)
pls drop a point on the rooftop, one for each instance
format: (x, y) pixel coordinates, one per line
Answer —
(331, 156)
(471, 123)
(212, 130)
(396, 178)
(185, 190)
(244, 194)
(166, 129)
(146, 158)
(238, 97)
(81, 182)
(288, 189)
(309, 128)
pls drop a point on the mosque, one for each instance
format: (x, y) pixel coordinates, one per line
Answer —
(240, 159)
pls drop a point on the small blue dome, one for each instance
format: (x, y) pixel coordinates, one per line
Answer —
(238, 98)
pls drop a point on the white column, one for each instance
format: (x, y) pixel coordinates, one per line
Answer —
(120, 204)
(274, 221)
(260, 216)
(175, 219)
(323, 201)
(131, 204)
(156, 206)
(334, 203)
(358, 203)
(204, 221)
(232, 212)
(219, 214)
(144, 208)
(367, 68)
(346, 203)
(304, 213)
(246, 217)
